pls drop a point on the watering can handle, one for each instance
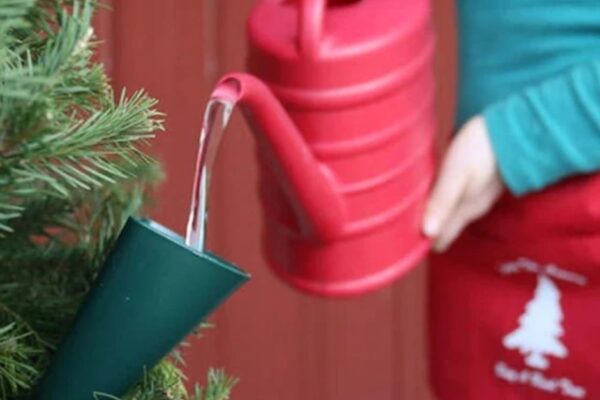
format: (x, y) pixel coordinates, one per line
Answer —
(311, 16)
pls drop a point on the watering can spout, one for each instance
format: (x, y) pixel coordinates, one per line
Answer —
(308, 184)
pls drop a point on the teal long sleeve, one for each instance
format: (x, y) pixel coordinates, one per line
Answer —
(532, 68)
(549, 131)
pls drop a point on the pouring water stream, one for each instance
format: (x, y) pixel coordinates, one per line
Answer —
(216, 117)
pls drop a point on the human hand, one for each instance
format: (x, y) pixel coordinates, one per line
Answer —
(467, 187)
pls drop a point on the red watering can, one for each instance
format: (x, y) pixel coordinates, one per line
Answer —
(341, 102)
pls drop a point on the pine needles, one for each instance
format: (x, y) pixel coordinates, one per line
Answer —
(16, 371)
(72, 169)
(166, 383)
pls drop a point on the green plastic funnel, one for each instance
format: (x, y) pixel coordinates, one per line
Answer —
(152, 291)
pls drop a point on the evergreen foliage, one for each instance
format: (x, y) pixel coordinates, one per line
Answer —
(71, 171)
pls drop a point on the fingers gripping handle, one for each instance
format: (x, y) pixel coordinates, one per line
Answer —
(311, 17)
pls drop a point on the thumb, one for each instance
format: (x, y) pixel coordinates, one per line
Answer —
(446, 195)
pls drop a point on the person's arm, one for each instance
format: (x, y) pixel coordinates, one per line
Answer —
(467, 186)
(549, 131)
(527, 141)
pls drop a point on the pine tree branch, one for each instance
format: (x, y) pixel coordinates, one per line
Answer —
(77, 141)
(16, 371)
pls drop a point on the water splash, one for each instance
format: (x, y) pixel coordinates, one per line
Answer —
(216, 117)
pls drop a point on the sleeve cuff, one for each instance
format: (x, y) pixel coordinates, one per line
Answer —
(505, 139)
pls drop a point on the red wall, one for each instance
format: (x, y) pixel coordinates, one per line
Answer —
(283, 345)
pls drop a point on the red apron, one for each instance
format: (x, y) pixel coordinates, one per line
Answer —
(515, 303)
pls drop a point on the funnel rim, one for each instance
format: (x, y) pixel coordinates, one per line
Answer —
(160, 230)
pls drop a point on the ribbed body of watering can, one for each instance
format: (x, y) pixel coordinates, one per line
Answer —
(346, 144)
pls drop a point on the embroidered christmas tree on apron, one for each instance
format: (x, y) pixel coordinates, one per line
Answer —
(540, 327)
(541, 334)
